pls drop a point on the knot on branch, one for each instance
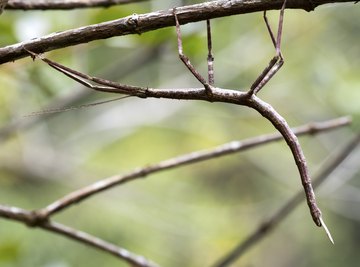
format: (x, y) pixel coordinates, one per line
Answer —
(310, 6)
(132, 22)
(36, 218)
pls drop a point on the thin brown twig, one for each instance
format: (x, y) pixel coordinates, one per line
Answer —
(3, 3)
(270, 224)
(280, 124)
(251, 101)
(29, 218)
(194, 157)
(64, 5)
(225, 96)
(137, 24)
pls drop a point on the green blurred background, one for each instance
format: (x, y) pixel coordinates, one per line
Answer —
(193, 215)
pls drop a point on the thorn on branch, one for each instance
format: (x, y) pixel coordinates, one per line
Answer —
(133, 21)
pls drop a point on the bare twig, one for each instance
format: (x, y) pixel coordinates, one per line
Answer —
(29, 218)
(131, 258)
(271, 223)
(194, 157)
(67, 4)
(137, 24)
(280, 124)
(210, 57)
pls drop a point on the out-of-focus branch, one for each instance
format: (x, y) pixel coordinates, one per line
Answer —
(40, 218)
(137, 24)
(29, 218)
(225, 149)
(64, 4)
(270, 224)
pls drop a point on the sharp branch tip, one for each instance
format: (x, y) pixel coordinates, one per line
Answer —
(326, 230)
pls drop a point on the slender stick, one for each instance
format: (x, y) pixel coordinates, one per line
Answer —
(2, 5)
(84, 79)
(277, 61)
(65, 109)
(271, 223)
(30, 219)
(144, 23)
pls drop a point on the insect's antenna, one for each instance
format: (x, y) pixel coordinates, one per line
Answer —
(59, 110)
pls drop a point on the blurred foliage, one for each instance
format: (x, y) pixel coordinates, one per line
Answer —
(192, 215)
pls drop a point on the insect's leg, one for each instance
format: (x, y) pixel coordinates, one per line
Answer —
(186, 60)
(277, 61)
(210, 57)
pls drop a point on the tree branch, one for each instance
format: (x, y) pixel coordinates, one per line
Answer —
(29, 218)
(64, 4)
(194, 157)
(137, 24)
(270, 224)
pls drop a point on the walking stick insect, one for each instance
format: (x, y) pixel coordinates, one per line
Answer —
(214, 94)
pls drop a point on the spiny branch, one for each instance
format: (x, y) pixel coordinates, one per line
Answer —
(137, 24)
